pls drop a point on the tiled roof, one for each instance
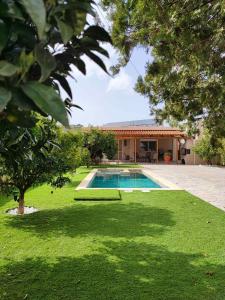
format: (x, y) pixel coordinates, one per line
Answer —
(144, 131)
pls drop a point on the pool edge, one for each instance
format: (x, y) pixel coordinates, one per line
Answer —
(164, 183)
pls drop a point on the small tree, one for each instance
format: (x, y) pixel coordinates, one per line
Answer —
(28, 158)
(71, 152)
(99, 143)
(205, 147)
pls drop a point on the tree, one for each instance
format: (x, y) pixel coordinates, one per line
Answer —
(99, 143)
(28, 158)
(40, 42)
(71, 152)
(205, 148)
(185, 80)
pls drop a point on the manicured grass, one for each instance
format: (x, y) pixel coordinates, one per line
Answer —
(159, 245)
(97, 195)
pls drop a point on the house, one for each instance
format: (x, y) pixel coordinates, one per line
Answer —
(146, 142)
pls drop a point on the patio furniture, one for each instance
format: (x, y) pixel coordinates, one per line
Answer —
(154, 157)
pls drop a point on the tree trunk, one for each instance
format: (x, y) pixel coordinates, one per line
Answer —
(21, 204)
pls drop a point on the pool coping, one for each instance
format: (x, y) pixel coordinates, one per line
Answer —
(164, 183)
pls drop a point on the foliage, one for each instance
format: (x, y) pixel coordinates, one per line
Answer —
(60, 181)
(99, 143)
(28, 157)
(205, 148)
(186, 78)
(221, 151)
(72, 152)
(40, 42)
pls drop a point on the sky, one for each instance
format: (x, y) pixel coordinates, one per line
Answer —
(109, 99)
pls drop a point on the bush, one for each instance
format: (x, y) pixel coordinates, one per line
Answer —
(221, 152)
(206, 148)
(99, 143)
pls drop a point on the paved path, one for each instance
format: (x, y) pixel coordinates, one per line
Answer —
(208, 183)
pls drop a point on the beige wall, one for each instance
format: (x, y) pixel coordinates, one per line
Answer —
(192, 158)
(128, 149)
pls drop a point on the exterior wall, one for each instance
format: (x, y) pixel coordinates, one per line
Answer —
(127, 149)
(192, 158)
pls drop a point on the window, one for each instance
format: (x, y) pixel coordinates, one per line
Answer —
(188, 151)
(148, 145)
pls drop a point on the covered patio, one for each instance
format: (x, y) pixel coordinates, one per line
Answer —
(147, 143)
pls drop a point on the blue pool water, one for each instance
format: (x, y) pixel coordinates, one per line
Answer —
(128, 180)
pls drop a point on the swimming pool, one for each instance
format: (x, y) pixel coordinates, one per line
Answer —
(122, 180)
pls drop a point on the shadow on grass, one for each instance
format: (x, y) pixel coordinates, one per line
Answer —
(123, 270)
(106, 219)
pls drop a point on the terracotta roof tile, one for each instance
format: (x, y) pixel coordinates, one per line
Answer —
(144, 131)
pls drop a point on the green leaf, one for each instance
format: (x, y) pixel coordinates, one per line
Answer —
(97, 60)
(84, 6)
(20, 100)
(98, 33)
(91, 44)
(25, 61)
(3, 34)
(87, 41)
(46, 62)
(7, 69)
(79, 21)
(70, 104)
(47, 100)
(3, 9)
(75, 105)
(65, 30)
(101, 50)
(64, 83)
(37, 12)
(80, 65)
(5, 97)
(15, 11)
(26, 35)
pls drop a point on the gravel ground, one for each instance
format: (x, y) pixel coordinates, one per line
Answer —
(27, 210)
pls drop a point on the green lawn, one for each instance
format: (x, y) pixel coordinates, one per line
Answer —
(97, 195)
(158, 245)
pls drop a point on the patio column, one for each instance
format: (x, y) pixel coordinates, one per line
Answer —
(135, 150)
(175, 149)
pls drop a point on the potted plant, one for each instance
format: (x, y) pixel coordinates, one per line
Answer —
(167, 156)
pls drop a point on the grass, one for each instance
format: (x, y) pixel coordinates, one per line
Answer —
(97, 195)
(155, 246)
